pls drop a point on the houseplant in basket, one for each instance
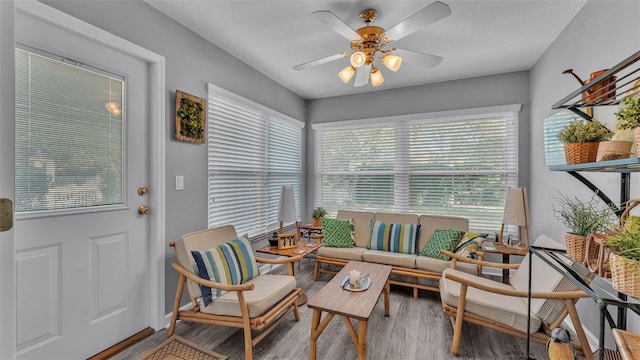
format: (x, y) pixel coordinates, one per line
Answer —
(625, 257)
(628, 119)
(582, 219)
(317, 215)
(581, 138)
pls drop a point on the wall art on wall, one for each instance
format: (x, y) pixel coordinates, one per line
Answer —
(191, 117)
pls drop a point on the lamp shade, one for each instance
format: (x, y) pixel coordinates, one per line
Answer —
(515, 208)
(287, 205)
(358, 59)
(392, 62)
(347, 73)
(376, 77)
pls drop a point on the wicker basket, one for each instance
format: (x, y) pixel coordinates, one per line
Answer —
(576, 245)
(625, 275)
(597, 254)
(580, 153)
(636, 138)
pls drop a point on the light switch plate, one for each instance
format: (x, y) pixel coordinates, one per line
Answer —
(179, 182)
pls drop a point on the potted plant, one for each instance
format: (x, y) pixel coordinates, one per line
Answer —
(317, 214)
(625, 257)
(581, 138)
(628, 120)
(582, 219)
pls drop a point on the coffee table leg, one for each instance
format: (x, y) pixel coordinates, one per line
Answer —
(362, 339)
(387, 290)
(315, 321)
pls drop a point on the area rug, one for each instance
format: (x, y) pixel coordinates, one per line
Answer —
(177, 348)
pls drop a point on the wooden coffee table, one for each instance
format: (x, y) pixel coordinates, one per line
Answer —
(334, 300)
(303, 248)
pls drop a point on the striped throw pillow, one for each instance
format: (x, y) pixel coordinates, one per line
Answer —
(400, 238)
(441, 240)
(231, 263)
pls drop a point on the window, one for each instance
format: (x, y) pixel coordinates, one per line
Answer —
(454, 163)
(68, 133)
(253, 151)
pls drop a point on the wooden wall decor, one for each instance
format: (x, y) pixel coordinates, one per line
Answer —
(287, 241)
(191, 118)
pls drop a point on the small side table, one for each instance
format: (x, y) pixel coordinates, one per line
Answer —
(628, 344)
(311, 231)
(304, 248)
(506, 251)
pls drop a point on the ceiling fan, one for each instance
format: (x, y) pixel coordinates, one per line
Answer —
(370, 42)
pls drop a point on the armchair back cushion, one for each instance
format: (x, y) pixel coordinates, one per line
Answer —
(430, 223)
(361, 223)
(200, 240)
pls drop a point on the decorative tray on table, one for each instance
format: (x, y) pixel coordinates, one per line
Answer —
(365, 284)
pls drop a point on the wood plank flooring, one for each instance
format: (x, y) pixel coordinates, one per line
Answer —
(415, 329)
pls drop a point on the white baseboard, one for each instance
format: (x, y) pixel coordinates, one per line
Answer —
(167, 317)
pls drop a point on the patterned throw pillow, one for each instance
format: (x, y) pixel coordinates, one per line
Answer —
(471, 241)
(400, 238)
(231, 263)
(441, 240)
(338, 233)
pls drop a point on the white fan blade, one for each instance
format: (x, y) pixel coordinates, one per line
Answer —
(320, 61)
(362, 75)
(427, 16)
(328, 18)
(419, 59)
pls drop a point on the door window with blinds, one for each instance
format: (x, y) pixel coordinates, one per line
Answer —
(68, 133)
(455, 165)
(253, 151)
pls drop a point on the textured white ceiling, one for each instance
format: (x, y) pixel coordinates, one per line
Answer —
(480, 37)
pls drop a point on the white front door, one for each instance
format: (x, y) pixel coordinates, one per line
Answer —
(82, 273)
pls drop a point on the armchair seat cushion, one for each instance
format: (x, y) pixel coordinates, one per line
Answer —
(268, 291)
(438, 265)
(390, 258)
(507, 310)
(354, 253)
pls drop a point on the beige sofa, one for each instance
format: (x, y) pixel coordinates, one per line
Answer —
(407, 269)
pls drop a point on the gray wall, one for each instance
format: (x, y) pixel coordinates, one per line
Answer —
(502, 89)
(601, 35)
(191, 62)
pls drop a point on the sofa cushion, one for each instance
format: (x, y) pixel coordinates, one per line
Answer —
(430, 223)
(338, 233)
(390, 258)
(399, 238)
(268, 290)
(507, 310)
(229, 263)
(441, 240)
(362, 223)
(439, 265)
(354, 253)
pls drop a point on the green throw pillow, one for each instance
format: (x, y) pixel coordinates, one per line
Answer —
(338, 233)
(441, 240)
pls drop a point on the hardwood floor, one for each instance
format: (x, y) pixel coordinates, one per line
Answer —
(415, 329)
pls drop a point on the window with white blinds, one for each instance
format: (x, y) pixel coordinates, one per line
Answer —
(458, 166)
(253, 151)
(69, 134)
(553, 147)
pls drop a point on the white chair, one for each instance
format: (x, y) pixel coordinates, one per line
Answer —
(504, 307)
(258, 304)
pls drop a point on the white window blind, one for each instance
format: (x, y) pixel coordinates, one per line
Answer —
(69, 135)
(253, 151)
(458, 166)
(553, 147)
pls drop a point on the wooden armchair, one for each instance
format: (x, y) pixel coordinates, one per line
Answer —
(503, 307)
(260, 303)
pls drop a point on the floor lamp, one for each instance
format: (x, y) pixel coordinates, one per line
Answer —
(287, 209)
(516, 212)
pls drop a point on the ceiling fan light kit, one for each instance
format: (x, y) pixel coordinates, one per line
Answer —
(369, 41)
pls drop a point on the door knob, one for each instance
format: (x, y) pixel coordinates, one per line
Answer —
(142, 190)
(143, 210)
